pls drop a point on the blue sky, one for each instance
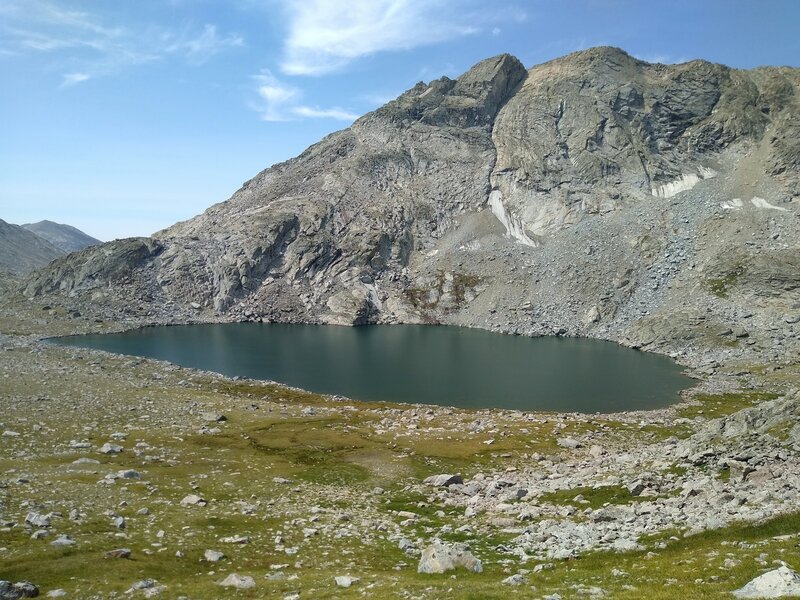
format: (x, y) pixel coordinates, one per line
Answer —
(123, 116)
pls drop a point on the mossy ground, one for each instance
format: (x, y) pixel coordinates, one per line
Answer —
(336, 453)
(713, 406)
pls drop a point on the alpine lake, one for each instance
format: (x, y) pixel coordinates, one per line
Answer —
(443, 365)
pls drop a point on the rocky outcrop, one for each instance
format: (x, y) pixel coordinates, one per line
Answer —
(595, 194)
(112, 263)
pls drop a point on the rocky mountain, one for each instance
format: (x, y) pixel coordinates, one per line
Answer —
(595, 194)
(66, 237)
(22, 251)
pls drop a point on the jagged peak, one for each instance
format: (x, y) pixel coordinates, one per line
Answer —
(488, 69)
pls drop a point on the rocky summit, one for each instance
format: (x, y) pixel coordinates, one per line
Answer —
(593, 195)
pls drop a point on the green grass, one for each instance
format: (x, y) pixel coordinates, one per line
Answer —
(334, 456)
(594, 497)
(672, 572)
(713, 406)
(721, 286)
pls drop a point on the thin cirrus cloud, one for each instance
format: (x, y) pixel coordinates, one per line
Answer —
(74, 78)
(279, 101)
(99, 48)
(325, 35)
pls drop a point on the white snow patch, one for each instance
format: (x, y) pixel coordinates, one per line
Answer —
(761, 203)
(470, 246)
(735, 204)
(685, 182)
(513, 225)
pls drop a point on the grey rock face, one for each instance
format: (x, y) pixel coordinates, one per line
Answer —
(595, 194)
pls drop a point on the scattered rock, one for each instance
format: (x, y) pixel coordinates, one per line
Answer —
(14, 591)
(235, 539)
(63, 540)
(240, 582)
(345, 581)
(193, 500)
(569, 443)
(516, 579)
(213, 417)
(37, 520)
(443, 480)
(213, 555)
(636, 488)
(778, 583)
(441, 557)
(110, 449)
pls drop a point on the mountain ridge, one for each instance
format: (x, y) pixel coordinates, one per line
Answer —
(22, 251)
(594, 194)
(66, 237)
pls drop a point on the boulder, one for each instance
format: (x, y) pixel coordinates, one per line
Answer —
(569, 443)
(213, 555)
(443, 480)
(109, 448)
(240, 582)
(778, 583)
(118, 553)
(37, 520)
(345, 581)
(441, 557)
(14, 591)
(193, 500)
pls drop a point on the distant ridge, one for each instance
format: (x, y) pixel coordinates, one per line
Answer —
(22, 251)
(65, 237)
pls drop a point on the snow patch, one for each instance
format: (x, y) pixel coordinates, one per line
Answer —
(735, 204)
(513, 225)
(685, 182)
(761, 203)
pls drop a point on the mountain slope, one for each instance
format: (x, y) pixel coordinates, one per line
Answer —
(595, 194)
(65, 237)
(22, 251)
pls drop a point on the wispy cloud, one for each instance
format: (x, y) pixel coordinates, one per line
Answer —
(324, 113)
(274, 97)
(199, 48)
(70, 79)
(96, 47)
(325, 35)
(279, 101)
